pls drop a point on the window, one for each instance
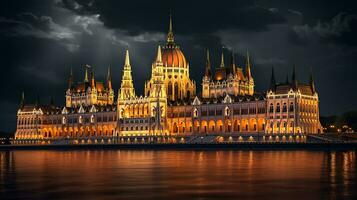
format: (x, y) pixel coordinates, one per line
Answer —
(291, 107)
(277, 107)
(284, 107)
(271, 108)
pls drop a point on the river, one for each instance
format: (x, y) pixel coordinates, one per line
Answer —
(177, 174)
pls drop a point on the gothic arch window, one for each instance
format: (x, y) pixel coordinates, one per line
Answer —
(92, 119)
(64, 120)
(169, 89)
(278, 107)
(284, 107)
(176, 90)
(291, 107)
(271, 108)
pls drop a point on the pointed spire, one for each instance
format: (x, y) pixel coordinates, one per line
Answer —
(208, 66)
(159, 55)
(70, 79)
(247, 67)
(86, 80)
(272, 80)
(127, 88)
(222, 60)
(109, 78)
(294, 82)
(312, 82)
(92, 79)
(127, 58)
(233, 64)
(22, 101)
(170, 34)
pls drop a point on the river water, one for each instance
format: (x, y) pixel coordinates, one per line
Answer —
(171, 174)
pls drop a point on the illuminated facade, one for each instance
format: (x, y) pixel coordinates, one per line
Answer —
(293, 107)
(229, 105)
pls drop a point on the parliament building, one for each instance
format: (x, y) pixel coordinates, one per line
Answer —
(228, 107)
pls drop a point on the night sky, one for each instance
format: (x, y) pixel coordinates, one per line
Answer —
(40, 41)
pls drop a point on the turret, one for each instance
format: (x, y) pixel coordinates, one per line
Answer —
(248, 73)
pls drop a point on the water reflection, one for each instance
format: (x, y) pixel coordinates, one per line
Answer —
(121, 174)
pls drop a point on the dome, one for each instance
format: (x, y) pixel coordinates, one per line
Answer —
(172, 56)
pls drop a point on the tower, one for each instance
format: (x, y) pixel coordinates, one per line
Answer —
(158, 97)
(207, 77)
(248, 74)
(127, 90)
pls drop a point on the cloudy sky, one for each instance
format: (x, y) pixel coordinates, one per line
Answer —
(41, 40)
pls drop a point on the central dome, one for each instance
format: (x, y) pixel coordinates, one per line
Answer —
(172, 56)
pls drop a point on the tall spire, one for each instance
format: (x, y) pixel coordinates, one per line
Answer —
(159, 55)
(247, 67)
(208, 66)
(86, 80)
(272, 80)
(127, 90)
(294, 82)
(92, 79)
(233, 64)
(22, 101)
(70, 79)
(312, 82)
(222, 60)
(109, 78)
(170, 34)
(127, 59)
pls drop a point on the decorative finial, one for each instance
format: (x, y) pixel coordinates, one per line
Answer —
(170, 35)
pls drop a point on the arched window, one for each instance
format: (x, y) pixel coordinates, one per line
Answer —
(169, 89)
(176, 91)
(278, 107)
(291, 107)
(271, 108)
(284, 107)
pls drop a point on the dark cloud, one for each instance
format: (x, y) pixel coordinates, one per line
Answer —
(42, 39)
(341, 29)
(189, 17)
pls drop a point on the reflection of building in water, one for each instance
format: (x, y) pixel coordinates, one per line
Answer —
(341, 174)
(7, 171)
(228, 103)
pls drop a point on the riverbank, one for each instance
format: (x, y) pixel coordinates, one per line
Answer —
(223, 146)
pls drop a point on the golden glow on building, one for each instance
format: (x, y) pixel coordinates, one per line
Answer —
(170, 107)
